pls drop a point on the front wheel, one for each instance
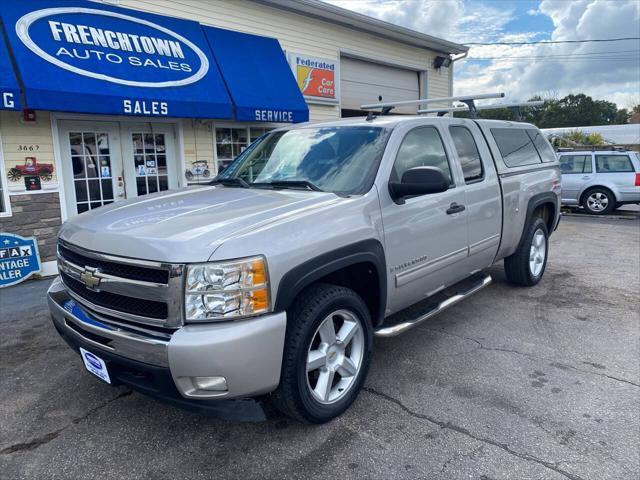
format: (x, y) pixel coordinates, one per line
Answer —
(526, 266)
(327, 352)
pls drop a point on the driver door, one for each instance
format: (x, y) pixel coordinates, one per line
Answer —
(426, 239)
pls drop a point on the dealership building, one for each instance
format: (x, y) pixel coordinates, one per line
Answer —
(107, 100)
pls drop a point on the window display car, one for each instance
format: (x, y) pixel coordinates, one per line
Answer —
(274, 279)
(31, 167)
(199, 168)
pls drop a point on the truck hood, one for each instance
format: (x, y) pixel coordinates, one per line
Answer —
(188, 225)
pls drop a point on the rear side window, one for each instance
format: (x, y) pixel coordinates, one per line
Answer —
(544, 149)
(613, 163)
(468, 154)
(575, 164)
(421, 147)
(515, 146)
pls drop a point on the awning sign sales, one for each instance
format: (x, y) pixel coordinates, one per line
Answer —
(19, 259)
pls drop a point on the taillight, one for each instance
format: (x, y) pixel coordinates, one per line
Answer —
(637, 184)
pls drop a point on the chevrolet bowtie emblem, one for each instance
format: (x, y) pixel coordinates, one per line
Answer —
(90, 278)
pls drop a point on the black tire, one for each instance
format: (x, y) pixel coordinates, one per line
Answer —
(293, 396)
(517, 266)
(605, 195)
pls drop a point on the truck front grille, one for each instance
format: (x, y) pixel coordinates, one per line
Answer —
(131, 272)
(135, 291)
(120, 303)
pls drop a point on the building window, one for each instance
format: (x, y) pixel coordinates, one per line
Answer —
(231, 141)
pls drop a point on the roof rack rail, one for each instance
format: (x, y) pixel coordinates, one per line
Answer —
(469, 100)
(514, 107)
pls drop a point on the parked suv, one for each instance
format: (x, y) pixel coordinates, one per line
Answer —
(600, 181)
(275, 278)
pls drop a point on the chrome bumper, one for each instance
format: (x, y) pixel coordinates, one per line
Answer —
(248, 353)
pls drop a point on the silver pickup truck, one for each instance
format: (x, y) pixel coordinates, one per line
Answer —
(272, 281)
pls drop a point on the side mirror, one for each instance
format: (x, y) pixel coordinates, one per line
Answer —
(419, 181)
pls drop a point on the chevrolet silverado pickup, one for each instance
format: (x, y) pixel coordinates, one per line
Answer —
(271, 282)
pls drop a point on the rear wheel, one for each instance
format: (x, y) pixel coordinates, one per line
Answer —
(327, 352)
(526, 266)
(598, 201)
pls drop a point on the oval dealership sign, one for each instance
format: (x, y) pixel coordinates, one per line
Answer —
(112, 47)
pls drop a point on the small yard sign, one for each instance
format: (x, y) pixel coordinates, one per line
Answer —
(19, 258)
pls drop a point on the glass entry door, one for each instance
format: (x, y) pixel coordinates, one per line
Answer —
(104, 162)
(92, 165)
(149, 158)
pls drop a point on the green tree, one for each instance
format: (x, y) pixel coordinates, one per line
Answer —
(622, 117)
(571, 111)
(635, 114)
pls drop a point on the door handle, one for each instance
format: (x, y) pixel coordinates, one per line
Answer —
(455, 208)
(586, 177)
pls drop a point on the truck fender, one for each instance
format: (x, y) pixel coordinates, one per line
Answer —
(535, 202)
(312, 270)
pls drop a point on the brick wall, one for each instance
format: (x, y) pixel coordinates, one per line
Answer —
(35, 216)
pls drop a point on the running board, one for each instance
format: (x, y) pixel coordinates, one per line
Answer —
(414, 315)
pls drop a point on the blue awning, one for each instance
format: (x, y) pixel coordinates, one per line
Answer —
(9, 90)
(258, 77)
(77, 56)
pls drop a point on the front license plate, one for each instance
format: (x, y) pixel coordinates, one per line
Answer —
(95, 365)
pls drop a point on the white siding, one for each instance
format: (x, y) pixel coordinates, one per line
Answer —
(22, 139)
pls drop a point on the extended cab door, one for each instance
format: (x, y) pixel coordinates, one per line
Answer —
(425, 236)
(483, 197)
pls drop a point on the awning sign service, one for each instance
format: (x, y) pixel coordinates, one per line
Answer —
(258, 77)
(318, 78)
(19, 259)
(82, 56)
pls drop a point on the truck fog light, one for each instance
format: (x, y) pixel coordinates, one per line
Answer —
(213, 384)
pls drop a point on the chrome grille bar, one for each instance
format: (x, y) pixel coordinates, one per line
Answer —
(126, 289)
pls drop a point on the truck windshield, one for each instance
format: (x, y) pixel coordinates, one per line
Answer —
(342, 160)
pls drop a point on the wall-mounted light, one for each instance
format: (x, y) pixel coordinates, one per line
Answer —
(440, 62)
(28, 115)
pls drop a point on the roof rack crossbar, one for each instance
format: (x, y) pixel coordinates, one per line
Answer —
(426, 101)
(442, 111)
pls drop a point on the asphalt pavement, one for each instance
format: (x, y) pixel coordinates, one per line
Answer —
(514, 383)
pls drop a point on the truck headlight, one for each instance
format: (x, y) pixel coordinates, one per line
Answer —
(225, 290)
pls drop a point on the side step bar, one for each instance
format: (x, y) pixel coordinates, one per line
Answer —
(406, 319)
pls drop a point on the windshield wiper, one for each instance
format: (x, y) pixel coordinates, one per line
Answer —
(291, 183)
(232, 182)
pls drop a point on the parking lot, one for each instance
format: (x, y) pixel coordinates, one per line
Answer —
(515, 383)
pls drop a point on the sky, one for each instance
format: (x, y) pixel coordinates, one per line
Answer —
(606, 71)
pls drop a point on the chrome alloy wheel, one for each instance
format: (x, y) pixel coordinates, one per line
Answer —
(597, 201)
(538, 253)
(335, 356)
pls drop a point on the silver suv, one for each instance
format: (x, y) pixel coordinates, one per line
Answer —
(274, 279)
(600, 181)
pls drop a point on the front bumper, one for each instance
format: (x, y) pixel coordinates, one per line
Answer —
(248, 353)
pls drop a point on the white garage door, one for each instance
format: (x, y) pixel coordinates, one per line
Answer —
(365, 82)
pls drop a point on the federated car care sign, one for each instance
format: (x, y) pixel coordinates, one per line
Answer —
(113, 60)
(318, 78)
(19, 259)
